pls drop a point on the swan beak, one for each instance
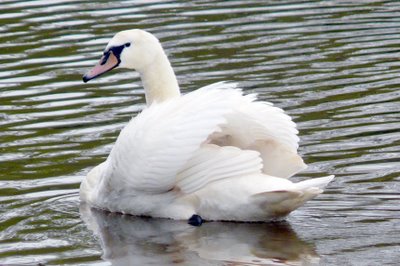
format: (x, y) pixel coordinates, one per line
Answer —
(107, 62)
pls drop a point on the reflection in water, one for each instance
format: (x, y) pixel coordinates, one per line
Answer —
(130, 240)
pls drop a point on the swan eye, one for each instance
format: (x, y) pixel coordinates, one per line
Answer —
(127, 44)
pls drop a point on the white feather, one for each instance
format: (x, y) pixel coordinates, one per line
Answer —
(156, 145)
(267, 129)
(211, 163)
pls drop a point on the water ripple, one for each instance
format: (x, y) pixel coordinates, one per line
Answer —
(333, 65)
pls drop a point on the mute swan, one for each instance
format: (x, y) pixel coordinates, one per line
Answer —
(212, 154)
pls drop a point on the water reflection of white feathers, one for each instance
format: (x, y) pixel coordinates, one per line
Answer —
(130, 240)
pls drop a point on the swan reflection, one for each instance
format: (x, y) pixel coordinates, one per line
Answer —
(130, 240)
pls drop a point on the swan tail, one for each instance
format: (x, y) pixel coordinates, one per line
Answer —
(279, 203)
(320, 182)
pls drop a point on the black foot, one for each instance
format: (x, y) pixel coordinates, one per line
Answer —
(195, 220)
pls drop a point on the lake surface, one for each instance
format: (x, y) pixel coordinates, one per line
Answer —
(332, 65)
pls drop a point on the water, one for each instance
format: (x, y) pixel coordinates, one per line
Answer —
(332, 65)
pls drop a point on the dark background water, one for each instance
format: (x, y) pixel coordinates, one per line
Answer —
(332, 65)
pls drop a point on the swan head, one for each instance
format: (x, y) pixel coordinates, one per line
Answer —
(132, 49)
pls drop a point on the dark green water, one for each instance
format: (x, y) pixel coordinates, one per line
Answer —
(332, 65)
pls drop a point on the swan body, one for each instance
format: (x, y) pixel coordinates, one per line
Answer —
(213, 152)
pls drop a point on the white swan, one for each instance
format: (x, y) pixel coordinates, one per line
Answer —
(214, 153)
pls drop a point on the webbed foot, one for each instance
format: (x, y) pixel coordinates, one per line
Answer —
(195, 220)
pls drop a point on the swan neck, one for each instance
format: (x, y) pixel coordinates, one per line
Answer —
(159, 80)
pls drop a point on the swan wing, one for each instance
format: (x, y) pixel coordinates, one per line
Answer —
(155, 146)
(262, 127)
(212, 163)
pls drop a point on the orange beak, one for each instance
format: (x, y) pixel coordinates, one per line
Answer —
(107, 62)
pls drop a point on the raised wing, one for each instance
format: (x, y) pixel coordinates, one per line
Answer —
(262, 127)
(155, 145)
